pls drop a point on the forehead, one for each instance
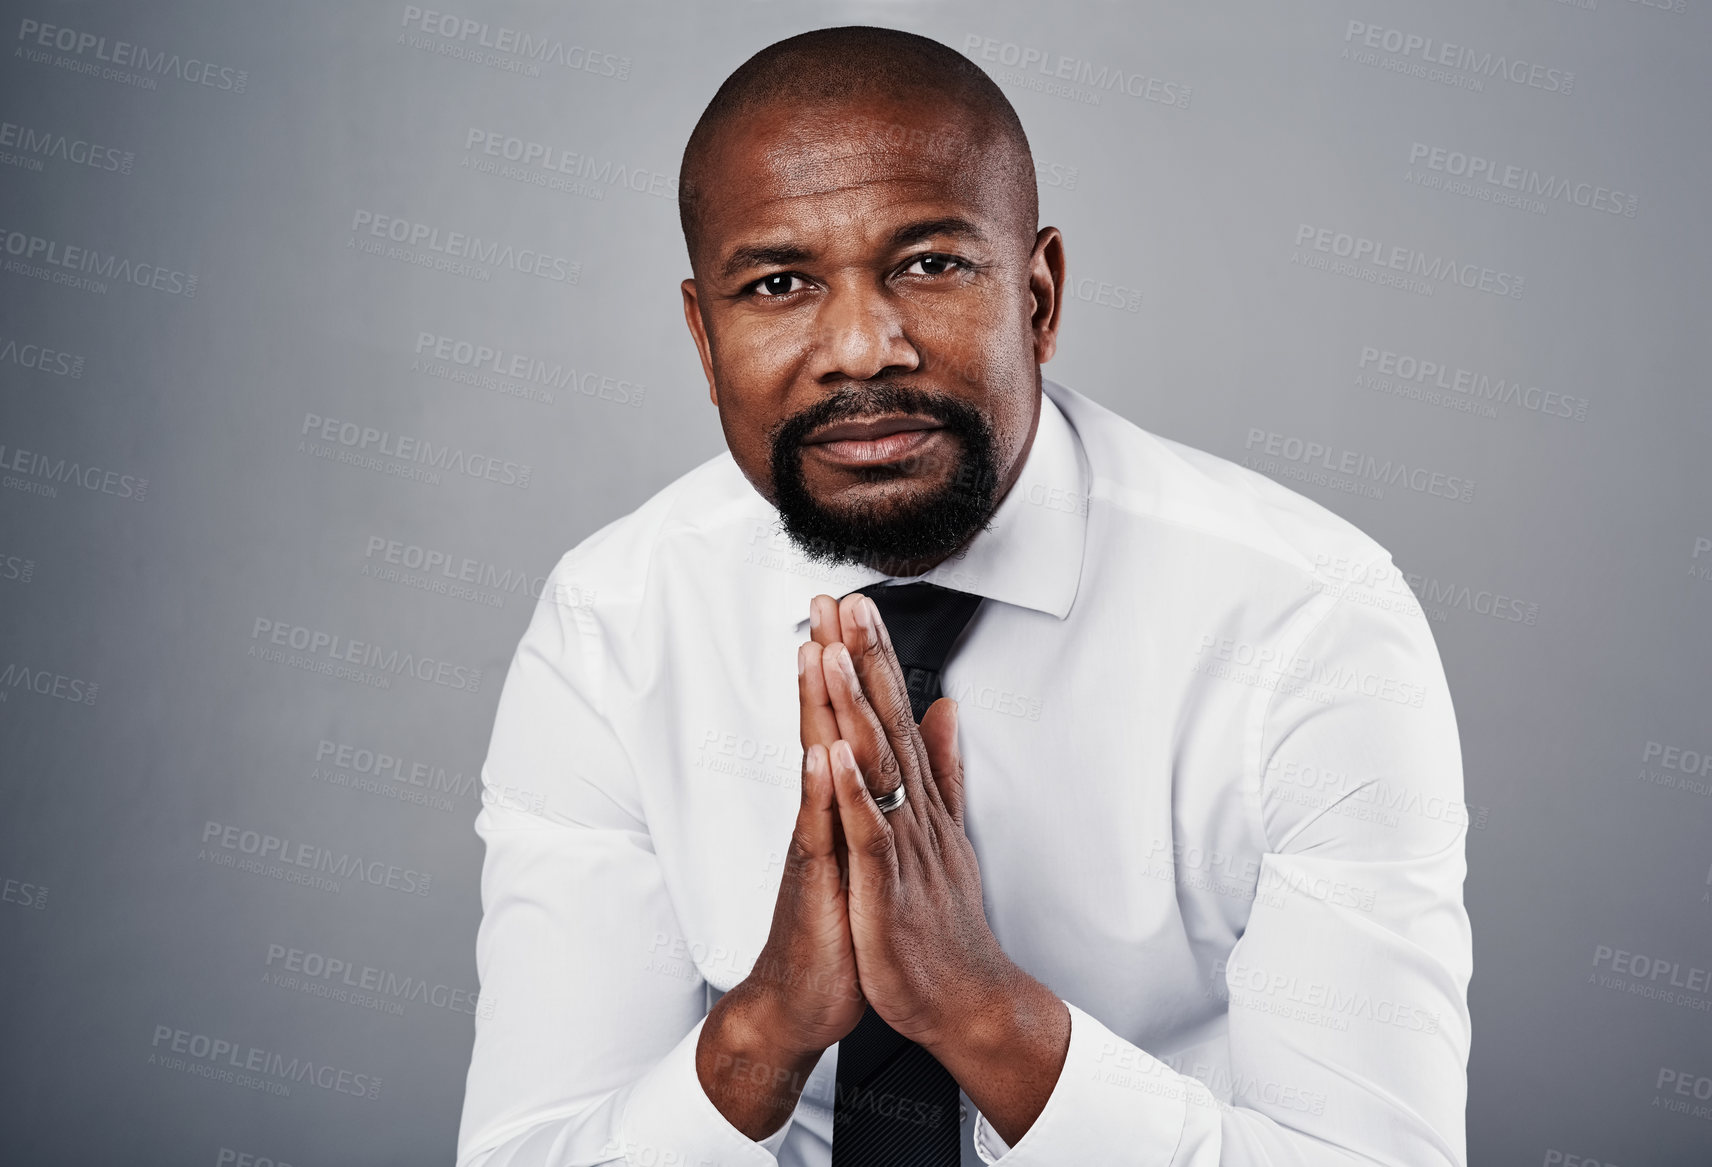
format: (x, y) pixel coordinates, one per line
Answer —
(839, 169)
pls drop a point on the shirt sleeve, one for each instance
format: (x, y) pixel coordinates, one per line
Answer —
(1348, 1031)
(590, 1006)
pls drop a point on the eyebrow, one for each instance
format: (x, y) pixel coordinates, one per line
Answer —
(928, 228)
(786, 254)
(778, 255)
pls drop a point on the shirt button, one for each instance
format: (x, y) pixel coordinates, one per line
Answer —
(962, 1112)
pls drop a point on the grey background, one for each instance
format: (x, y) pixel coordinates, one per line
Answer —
(126, 912)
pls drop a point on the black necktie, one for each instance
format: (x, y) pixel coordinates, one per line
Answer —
(895, 1105)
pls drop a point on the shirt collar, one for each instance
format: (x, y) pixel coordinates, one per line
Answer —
(1030, 555)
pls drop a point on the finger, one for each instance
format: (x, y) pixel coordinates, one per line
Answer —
(881, 675)
(944, 760)
(868, 837)
(817, 722)
(823, 624)
(815, 818)
(860, 728)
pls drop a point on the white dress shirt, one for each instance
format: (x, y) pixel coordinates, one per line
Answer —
(1213, 781)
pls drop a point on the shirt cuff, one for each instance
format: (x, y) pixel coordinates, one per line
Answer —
(1113, 1102)
(669, 1118)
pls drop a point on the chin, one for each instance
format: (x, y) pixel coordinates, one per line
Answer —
(880, 494)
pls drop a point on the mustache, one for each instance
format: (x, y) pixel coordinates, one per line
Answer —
(868, 399)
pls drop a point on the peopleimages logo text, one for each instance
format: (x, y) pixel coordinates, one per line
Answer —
(125, 55)
(1443, 375)
(476, 358)
(1359, 249)
(47, 683)
(460, 245)
(316, 858)
(330, 648)
(1364, 467)
(1412, 46)
(454, 568)
(237, 1060)
(40, 357)
(405, 448)
(27, 248)
(1523, 180)
(38, 144)
(1029, 60)
(474, 35)
(510, 148)
(341, 974)
(44, 473)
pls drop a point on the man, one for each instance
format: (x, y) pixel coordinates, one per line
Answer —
(1171, 875)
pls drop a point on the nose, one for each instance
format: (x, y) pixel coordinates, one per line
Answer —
(860, 336)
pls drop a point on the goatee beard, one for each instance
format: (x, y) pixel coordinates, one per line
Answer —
(889, 536)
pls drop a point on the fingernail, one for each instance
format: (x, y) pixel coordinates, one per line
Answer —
(865, 613)
(846, 665)
(847, 759)
(872, 611)
(802, 659)
(813, 614)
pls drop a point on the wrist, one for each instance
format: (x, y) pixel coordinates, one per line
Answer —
(753, 1018)
(1013, 1016)
(1010, 1056)
(751, 1072)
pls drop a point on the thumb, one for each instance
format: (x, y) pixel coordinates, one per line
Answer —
(939, 735)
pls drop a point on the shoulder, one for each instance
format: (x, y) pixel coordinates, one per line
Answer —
(707, 507)
(1153, 480)
(674, 558)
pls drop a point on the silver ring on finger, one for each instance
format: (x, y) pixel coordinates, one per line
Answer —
(889, 802)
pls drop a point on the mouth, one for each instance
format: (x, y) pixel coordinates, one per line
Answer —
(873, 441)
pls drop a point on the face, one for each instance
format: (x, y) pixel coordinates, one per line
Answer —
(872, 309)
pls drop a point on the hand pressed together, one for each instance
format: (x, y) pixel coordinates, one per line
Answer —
(880, 909)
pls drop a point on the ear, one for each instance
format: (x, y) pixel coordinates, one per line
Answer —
(698, 330)
(1046, 283)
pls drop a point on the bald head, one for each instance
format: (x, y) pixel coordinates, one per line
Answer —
(857, 72)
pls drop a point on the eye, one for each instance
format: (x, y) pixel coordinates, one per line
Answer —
(932, 264)
(780, 283)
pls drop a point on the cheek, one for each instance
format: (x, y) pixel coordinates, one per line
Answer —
(757, 357)
(982, 342)
(753, 379)
(1011, 419)
(745, 437)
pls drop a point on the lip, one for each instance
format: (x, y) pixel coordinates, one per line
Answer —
(873, 442)
(870, 429)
